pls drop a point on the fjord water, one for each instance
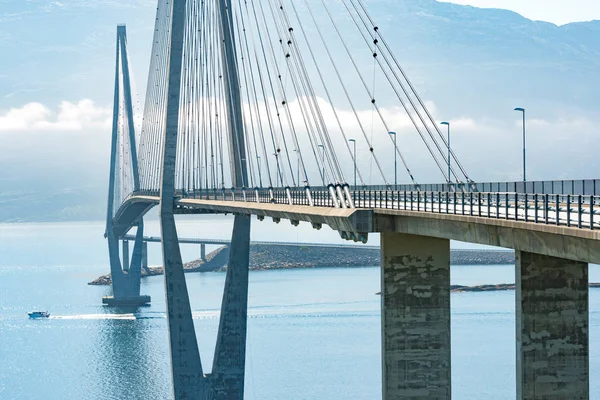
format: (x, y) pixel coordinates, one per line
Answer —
(312, 334)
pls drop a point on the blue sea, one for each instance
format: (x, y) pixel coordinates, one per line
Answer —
(312, 334)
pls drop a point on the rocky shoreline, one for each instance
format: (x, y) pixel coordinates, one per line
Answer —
(274, 257)
(213, 262)
(494, 288)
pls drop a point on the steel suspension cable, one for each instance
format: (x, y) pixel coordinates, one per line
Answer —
(373, 100)
(328, 94)
(254, 88)
(375, 52)
(402, 102)
(265, 100)
(311, 98)
(376, 29)
(347, 94)
(147, 134)
(299, 96)
(282, 92)
(251, 107)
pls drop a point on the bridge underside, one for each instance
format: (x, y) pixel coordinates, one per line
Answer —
(131, 213)
(343, 220)
(549, 240)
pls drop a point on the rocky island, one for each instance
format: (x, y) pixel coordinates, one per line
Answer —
(272, 257)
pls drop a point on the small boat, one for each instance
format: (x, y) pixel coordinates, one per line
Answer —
(38, 314)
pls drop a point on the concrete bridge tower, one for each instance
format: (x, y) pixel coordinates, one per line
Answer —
(226, 381)
(124, 179)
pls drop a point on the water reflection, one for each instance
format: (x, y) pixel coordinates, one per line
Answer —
(130, 357)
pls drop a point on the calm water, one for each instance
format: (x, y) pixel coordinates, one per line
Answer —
(313, 334)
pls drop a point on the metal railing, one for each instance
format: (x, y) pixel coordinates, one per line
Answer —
(572, 210)
(573, 187)
(562, 210)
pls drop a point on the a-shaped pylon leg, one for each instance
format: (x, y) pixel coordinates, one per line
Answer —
(227, 378)
(126, 284)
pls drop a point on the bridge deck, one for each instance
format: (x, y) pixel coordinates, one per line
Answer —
(505, 227)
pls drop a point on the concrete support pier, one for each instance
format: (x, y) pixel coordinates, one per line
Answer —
(145, 256)
(552, 328)
(415, 317)
(125, 255)
(203, 252)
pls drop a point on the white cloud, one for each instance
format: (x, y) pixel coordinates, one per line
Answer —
(579, 124)
(490, 148)
(36, 117)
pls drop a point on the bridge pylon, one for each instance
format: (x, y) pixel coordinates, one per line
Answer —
(124, 179)
(226, 381)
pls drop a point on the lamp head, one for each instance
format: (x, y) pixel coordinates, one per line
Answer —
(445, 123)
(520, 109)
(392, 133)
(352, 140)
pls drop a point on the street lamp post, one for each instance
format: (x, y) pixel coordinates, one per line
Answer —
(395, 160)
(524, 151)
(323, 162)
(449, 158)
(354, 142)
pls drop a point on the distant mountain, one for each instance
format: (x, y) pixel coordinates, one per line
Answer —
(489, 57)
(37, 205)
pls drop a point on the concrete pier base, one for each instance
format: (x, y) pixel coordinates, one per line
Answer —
(415, 317)
(137, 301)
(552, 328)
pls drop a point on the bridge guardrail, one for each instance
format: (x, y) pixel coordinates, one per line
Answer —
(571, 210)
(585, 187)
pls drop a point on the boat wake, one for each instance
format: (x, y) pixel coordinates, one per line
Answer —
(260, 312)
(95, 316)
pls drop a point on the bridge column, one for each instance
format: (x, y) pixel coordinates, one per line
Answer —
(415, 317)
(552, 328)
(227, 378)
(145, 256)
(125, 255)
(203, 252)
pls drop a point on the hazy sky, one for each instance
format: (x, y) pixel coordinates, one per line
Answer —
(56, 95)
(556, 11)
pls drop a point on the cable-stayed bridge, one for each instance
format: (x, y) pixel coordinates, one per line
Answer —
(258, 108)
